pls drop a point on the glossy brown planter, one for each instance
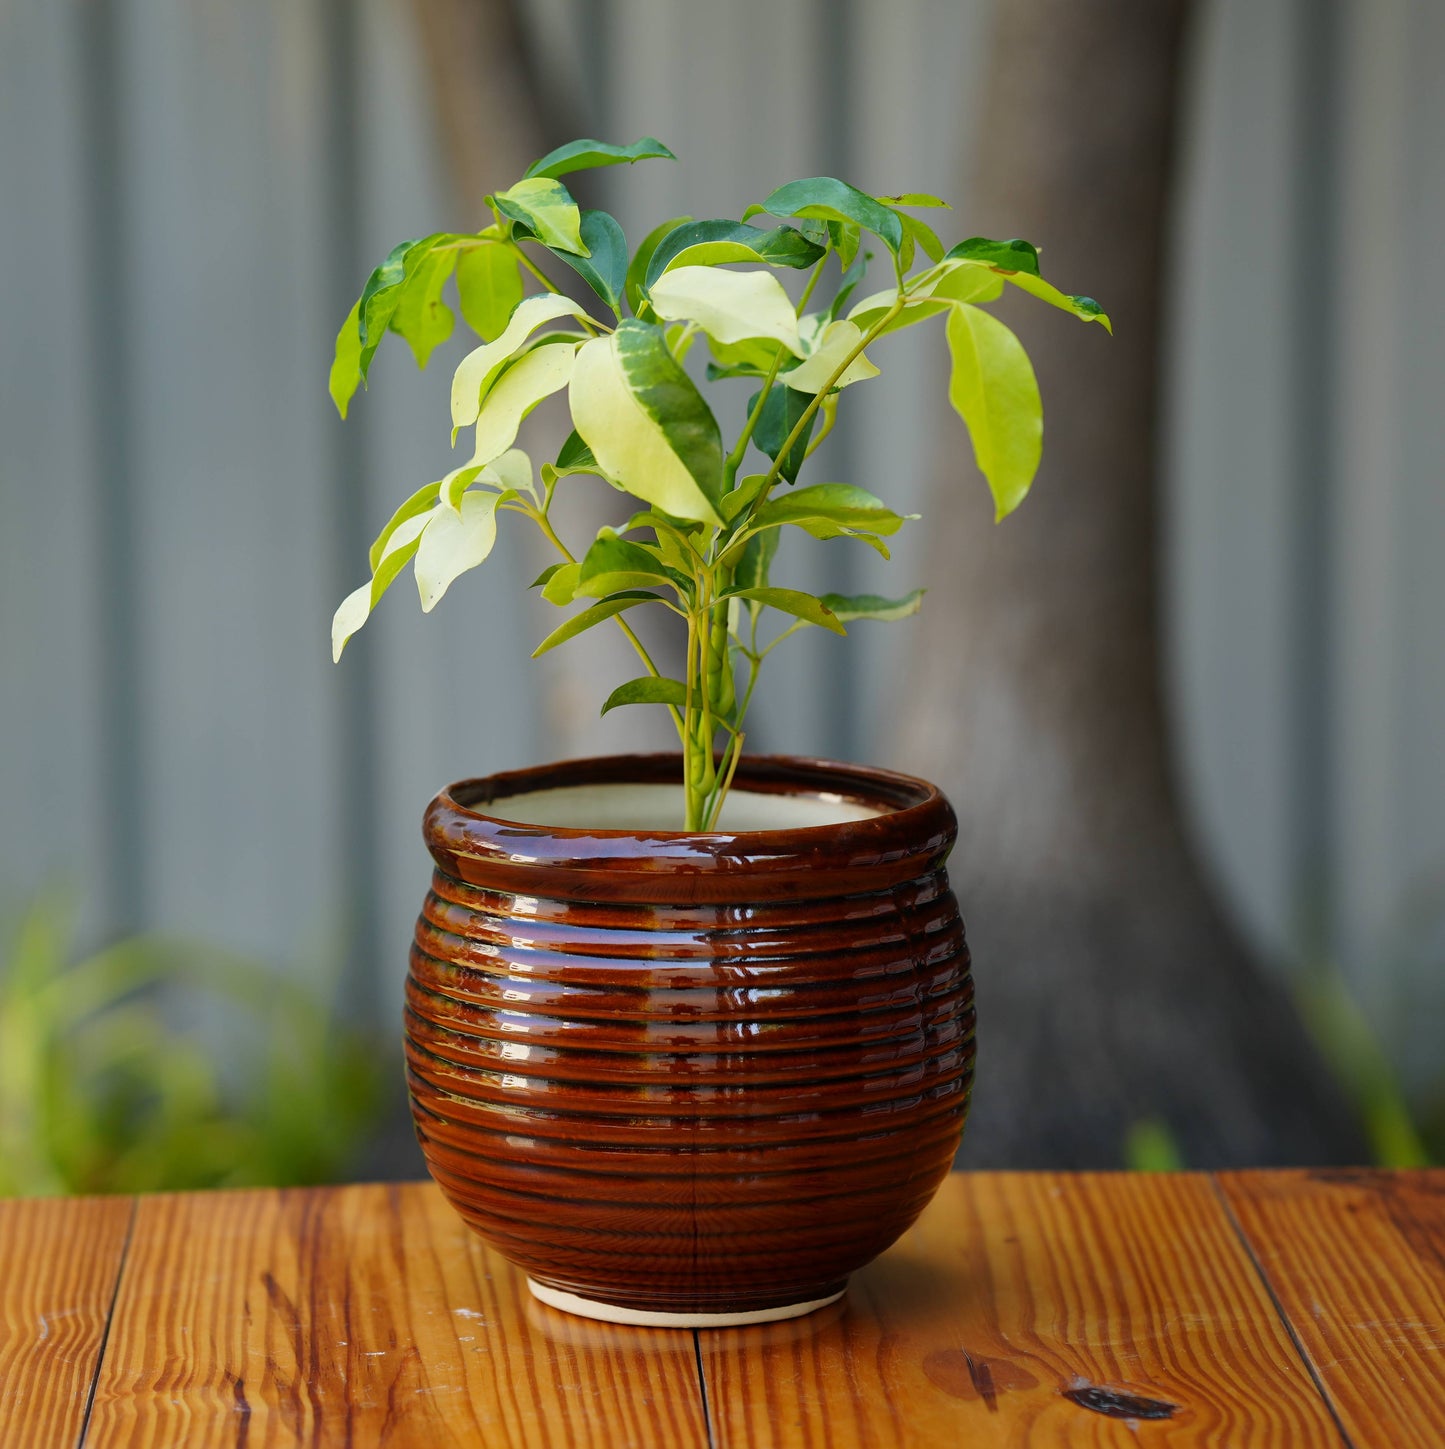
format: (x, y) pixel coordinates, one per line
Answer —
(690, 1074)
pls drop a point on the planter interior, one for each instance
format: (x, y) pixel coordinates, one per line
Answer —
(689, 1078)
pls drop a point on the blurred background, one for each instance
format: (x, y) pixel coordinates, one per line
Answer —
(1189, 703)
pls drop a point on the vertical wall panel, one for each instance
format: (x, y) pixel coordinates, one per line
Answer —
(454, 691)
(1390, 706)
(223, 167)
(1228, 461)
(53, 744)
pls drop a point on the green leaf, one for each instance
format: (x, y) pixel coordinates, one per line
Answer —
(586, 155)
(372, 316)
(482, 366)
(548, 573)
(545, 207)
(561, 586)
(782, 409)
(821, 528)
(846, 239)
(650, 689)
(914, 198)
(827, 346)
(931, 293)
(792, 601)
(612, 565)
(924, 235)
(848, 283)
(579, 623)
(751, 574)
(826, 199)
(729, 306)
(873, 606)
(752, 358)
(646, 423)
(711, 243)
(642, 258)
(1015, 255)
(744, 495)
(386, 287)
(489, 287)
(1018, 263)
(346, 365)
(452, 543)
(422, 501)
(575, 457)
(838, 503)
(604, 269)
(993, 389)
(421, 317)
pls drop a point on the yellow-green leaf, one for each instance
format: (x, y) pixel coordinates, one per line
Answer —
(489, 286)
(994, 391)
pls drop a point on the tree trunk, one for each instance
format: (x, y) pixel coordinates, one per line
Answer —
(1111, 989)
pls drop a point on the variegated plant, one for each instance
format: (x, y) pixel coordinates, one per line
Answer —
(702, 544)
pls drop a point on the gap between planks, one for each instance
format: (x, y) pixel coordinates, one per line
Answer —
(1284, 1318)
(109, 1320)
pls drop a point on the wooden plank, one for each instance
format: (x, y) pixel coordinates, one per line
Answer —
(59, 1262)
(1033, 1310)
(1356, 1261)
(364, 1315)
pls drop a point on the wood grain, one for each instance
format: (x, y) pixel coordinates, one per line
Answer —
(59, 1261)
(364, 1315)
(1357, 1262)
(1033, 1310)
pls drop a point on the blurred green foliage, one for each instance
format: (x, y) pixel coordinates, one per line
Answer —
(1150, 1147)
(1398, 1136)
(104, 1089)
(1354, 1053)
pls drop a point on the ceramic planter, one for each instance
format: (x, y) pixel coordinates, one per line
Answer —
(689, 1078)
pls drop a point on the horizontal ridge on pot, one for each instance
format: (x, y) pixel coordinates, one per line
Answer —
(690, 1073)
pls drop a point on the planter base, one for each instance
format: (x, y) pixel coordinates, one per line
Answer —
(644, 1318)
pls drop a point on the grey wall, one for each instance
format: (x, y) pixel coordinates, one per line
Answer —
(1307, 512)
(191, 190)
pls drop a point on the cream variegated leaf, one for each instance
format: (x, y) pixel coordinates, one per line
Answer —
(827, 346)
(356, 607)
(453, 542)
(479, 368)
(534, 376)
(729, 306)
(648, 428)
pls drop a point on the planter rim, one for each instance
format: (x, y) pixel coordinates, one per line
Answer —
(915, 823)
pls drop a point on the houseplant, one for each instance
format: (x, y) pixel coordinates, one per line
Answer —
(689, 1037)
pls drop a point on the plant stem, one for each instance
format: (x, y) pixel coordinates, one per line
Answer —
(545, 524)
(735, 458)
(807, 414)
(813, 280)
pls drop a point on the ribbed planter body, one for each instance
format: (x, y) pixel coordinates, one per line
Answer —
(690, 1073)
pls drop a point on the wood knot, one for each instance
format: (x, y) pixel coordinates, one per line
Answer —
(1117, 1403)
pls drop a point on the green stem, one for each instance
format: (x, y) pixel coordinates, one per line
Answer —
(806, 416)
(735, 458)
(813, 280)
(545, 524)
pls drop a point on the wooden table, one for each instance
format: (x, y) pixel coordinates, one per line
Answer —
(1275, 1308)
